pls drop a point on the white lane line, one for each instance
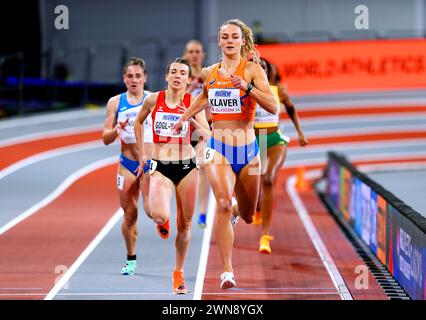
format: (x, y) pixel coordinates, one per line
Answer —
(319, 245)
(99, 237)
(58, 191)
(384, 167)
(358, 118)
(228, 293)
(360, 145)
(355, 131)
(361, 103)
(50, 133)
(49, 154)
(321, 159)
(205, 247)
(51, 117)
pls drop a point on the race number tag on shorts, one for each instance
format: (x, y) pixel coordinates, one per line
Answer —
(152, 166)
(163, 123)
(120, 182)
(209, 154)
(225, 100)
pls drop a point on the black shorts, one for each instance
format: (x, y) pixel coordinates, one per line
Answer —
(174, 170)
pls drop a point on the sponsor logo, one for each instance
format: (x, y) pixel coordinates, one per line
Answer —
(213, 81)
(223, 93)
(170, 117)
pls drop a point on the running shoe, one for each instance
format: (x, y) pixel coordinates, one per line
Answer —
(129, 268)
(227, 280)
(234, 219)
(202, 220)
(264, 246)
(179, 285)
(163, 229)
(257, 218)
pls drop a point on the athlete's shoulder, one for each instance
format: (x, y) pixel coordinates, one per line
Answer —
(114, 101)
(205, 72)
(253, 66)
(152, 97)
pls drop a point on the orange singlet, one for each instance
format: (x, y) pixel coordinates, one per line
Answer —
(226, 101)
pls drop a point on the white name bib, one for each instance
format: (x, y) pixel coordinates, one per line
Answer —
(225, 100)
(263, 116)
(128, 135)
(163, 123)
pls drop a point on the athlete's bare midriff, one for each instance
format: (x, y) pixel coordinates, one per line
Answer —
(131, 151)
(265, 130)
(172, 151)
(236, 133)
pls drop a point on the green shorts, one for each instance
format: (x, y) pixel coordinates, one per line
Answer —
(272, 139)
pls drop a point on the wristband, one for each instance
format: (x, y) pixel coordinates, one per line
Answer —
(249, 88)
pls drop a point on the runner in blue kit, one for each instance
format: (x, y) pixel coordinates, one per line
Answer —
(121, 112)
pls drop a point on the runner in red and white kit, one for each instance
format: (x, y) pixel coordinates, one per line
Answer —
(173, 166)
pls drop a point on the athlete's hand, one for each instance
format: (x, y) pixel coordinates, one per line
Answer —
(302, 140)
(177, 127)
(238, 82)
(121, 125)
(142, 163)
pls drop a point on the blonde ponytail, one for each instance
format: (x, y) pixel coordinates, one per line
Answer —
(249, 48)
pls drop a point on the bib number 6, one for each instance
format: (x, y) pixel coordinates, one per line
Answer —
(209, 154)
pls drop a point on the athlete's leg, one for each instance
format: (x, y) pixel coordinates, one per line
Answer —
(247, 189)
(203, 186)
(160, 195)
(186, 195)
(145, 181)
(222, 180)
(128, 187)
(276, 158)
(144, 188)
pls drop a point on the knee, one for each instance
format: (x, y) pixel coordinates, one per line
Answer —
(268, 180)
(224, 205)
(184, 227)
(158, 217)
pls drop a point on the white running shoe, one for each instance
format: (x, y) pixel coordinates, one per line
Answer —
(227, 280)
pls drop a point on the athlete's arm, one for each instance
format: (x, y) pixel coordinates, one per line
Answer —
(261, 92)
(199, 122)
(144, 112)
(292, 113)
(111, 128)
(198, 104)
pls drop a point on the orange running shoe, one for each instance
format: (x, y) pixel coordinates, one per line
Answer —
(179, 285)
(257, 218)
(264, 246)
(163, 229)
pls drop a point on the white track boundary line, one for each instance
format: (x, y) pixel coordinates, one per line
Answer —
(319, 245)
(68, 274)
(50, 134)
(109, 294)
(49, 154)
(58, 191)
(51, 117)
(205, 247)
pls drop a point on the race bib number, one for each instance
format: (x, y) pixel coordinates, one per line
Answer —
(120, 182)
(263, 116)
(209, 154)
(164, 122)
(152, 166)
(225, 100)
